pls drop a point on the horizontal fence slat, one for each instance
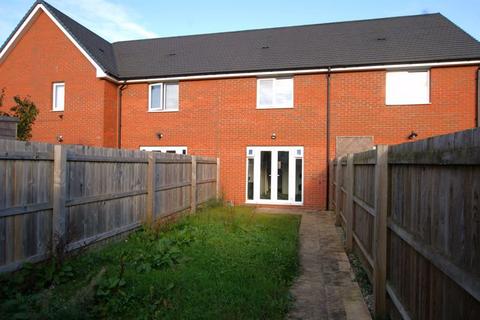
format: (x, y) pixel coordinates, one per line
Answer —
(13, 266)
(207, 181)
(364, 205)
(31, 208)
(26, 155)
(104, 197)
(461, 156)
(363, 250)
(74, 157)
(85, 242)
(207, 161)
(396, 301)
(466, 281)
(173, 161)
(172, 186)
(343, 218)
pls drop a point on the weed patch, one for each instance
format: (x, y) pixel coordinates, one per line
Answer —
(222, 263)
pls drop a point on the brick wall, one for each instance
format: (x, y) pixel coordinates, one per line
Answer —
(219, 118)
(43, 56)
(358, 106)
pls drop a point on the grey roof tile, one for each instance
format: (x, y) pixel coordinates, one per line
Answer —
(409, 39)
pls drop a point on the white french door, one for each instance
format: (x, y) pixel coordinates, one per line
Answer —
(274, 175)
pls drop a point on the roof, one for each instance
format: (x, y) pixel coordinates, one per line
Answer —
(397, 40)
(98, 48)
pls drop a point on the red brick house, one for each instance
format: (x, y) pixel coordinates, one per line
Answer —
(273, 104)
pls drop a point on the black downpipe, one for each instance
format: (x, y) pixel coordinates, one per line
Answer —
(119, 114)
(328, 140)
(478, 98)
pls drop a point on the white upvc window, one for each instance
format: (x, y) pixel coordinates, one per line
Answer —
(274, 93)
(58, 93)
(407, 87)
(177, 150)
(163, 97)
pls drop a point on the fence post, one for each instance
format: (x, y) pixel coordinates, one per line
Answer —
(349, 205)
(59, 223)
(218, 179)
(151, 177)
(338, 191)
(193, 192)
(380, 232)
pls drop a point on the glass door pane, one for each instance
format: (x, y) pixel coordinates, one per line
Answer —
(250, 179)
(265, 174)
(298, 180)
(282, 175)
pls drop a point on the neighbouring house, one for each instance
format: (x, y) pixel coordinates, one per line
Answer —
(273, 104)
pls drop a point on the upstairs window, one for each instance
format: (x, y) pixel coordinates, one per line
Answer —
(163, 97)
(275, 93)
(407, 87)
(58, 101)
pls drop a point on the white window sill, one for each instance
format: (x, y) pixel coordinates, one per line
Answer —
(155, 111)
(263, 108)
(53, 110)
(408, 104)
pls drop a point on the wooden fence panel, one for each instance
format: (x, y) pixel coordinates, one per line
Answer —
(433, 226)
(100, 193)
(206, 178)
(104, 197)
(25, 202)
(173, 183)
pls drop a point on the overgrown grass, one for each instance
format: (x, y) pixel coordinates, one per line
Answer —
(223, 263)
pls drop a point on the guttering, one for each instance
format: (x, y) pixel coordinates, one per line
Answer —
(298, 71)
(478, 97)
(119, 114)
(327, 200)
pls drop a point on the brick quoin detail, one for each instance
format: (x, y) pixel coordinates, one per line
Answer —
(219, 117)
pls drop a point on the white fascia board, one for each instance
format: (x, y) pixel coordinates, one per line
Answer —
(307, 71)
(99, 71)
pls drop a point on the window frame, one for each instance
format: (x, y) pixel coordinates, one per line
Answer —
(389, 102)
(162, 97)
(255, 154)
(55, 85)
(274, 105)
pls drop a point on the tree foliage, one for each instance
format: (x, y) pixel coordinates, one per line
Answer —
(2, 95)
(25, 110)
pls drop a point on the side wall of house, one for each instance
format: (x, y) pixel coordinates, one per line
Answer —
(42, 56)
(219, 118)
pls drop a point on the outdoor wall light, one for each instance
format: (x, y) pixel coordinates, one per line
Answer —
(412, 135)
(60, 138)
(159, 135)
(274, 136)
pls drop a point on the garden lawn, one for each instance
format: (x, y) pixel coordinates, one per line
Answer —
(222, 263)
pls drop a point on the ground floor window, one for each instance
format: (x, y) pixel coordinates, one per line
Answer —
(177, 150)
(274, 175)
